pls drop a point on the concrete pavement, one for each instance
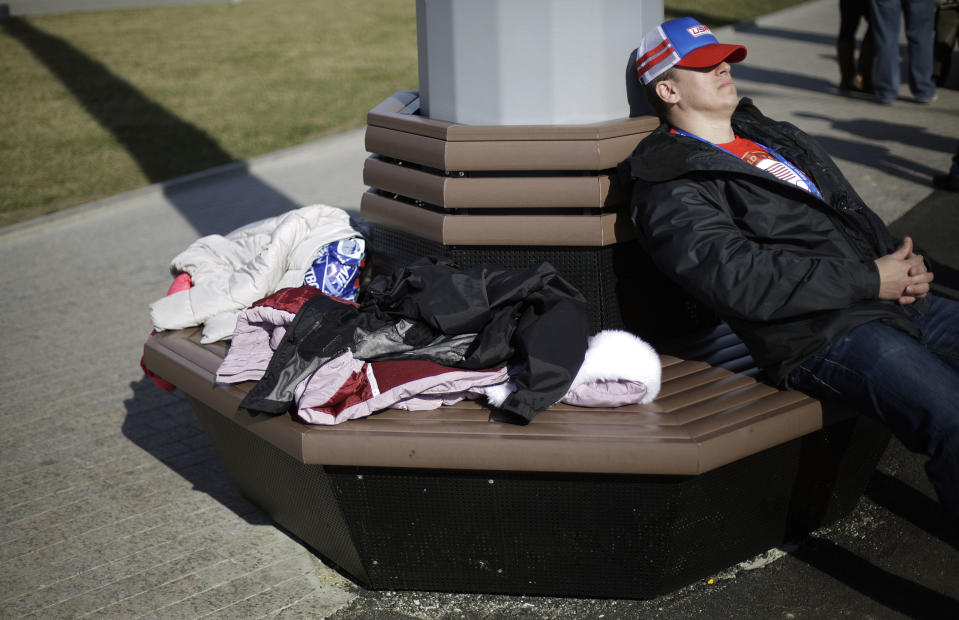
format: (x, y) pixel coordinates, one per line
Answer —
(115, 504)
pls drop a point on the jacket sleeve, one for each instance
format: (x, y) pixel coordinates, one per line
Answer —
(692, 238)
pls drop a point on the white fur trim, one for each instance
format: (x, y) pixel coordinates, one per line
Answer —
(497, 394)
(615, 354)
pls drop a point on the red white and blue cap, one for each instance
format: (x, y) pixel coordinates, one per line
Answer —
(682, 42)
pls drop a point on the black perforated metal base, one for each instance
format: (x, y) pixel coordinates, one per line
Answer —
(620, 536)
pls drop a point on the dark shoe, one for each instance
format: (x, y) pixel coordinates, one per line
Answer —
(947, 182)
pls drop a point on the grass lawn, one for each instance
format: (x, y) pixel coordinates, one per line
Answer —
(99, 103)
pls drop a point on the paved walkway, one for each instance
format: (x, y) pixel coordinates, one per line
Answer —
(114, 504)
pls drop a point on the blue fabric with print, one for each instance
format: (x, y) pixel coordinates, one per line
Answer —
(336, 269)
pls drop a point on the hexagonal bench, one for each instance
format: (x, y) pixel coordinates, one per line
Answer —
(630, 502)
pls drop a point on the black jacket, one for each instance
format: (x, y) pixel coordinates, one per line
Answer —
(480, 317)
(789, 272)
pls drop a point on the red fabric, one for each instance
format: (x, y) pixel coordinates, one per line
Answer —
(390, 374)
(746, 150)
(292, 299)
(287, 299)
(712, 55)
(181, 282)
(354, 390)
(653, 57)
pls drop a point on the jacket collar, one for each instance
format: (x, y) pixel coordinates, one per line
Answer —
(663, 156)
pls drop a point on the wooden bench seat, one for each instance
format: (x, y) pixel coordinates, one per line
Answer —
(705, 417)
(627, 502)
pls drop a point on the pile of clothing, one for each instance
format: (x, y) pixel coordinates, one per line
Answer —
(228, 273)
(426, 335)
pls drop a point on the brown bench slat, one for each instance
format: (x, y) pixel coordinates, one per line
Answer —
(400, 112)
(699, 426)
(451, 192)
(500, 155)
(746, 413)
(497, 230)
(544, 429)
(686, 383)
(700, 409)
(759, 433)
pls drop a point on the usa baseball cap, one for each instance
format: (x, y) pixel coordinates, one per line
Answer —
(682, 42)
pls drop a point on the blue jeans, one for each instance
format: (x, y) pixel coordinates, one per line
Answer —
(884, 18)
(911, 386)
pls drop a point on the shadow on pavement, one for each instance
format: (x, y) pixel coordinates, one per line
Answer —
(878, 157)
(758, 75)
(934, 225)
(902, 499)
(883, 130)
(894, 592)
(163, 145)
(816, 38)
(163, 424)
(710, 19)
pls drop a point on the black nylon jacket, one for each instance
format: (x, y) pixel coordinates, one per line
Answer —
(478, 317)
(789, 272)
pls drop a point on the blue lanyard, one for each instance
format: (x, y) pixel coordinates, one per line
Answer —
(799, 173)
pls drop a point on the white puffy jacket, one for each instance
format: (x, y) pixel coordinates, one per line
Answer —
(231, 272)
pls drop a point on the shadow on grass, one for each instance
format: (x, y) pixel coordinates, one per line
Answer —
(163, 145)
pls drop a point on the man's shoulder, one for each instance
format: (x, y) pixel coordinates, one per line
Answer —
(656, 158)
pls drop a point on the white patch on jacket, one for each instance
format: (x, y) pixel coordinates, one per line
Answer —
(496, 395)
(617, 357)
(619, 369)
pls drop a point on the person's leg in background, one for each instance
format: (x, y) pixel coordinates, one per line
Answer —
(849, 15)
(884, 17)
(867, 56)
(947, 27)
(920, 16)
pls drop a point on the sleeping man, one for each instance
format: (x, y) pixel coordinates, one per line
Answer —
(752, 218)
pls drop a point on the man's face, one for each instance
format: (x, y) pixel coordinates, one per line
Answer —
(705, 90)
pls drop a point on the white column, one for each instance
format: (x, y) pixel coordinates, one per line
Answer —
(528, 62)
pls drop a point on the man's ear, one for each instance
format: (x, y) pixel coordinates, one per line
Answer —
(666, 91)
